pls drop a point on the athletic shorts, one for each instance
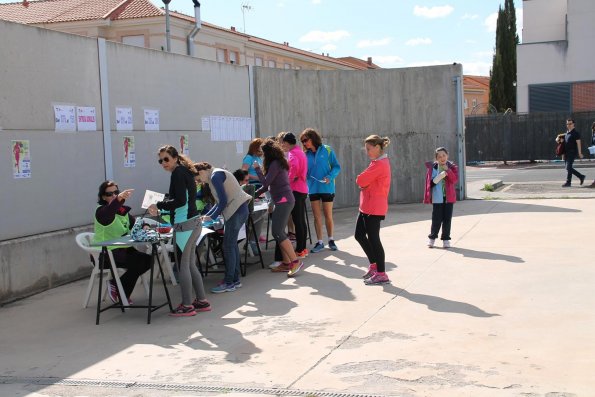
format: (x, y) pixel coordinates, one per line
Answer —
(325, 197)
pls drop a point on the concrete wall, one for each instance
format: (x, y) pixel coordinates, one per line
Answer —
(40, 68)
(542, 62)
(415, 107)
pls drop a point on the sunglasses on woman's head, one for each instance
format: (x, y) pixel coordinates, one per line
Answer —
(110, 194)
(166, 159)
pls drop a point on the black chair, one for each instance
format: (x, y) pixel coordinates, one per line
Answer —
(250, 230)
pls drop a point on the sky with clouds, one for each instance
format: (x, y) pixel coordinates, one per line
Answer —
(396, 34)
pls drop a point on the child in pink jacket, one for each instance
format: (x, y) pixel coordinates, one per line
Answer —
(441, 177)
(374, 184)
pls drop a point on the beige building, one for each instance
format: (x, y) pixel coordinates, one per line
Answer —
(140, 23)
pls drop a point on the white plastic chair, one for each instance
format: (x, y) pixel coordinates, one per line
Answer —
(84, 240)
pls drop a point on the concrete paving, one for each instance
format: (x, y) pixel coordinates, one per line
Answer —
(508, 311)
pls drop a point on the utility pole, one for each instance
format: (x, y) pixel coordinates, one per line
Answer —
(245, 7)
(167, 32)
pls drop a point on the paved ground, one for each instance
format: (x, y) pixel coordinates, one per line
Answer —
(507, 312)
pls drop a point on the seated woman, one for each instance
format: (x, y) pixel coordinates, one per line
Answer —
(113, 220)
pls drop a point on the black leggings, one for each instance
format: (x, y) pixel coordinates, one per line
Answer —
(298, 214)
(367, 234)
(135, 263)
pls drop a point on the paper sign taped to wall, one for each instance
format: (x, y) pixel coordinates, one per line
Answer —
(151, 197)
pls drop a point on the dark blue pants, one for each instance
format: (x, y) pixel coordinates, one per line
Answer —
(441, 216)
(569, 161)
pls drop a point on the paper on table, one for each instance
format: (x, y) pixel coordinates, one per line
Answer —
(151, 197)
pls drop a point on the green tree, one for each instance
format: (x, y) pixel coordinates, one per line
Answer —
(503, 72)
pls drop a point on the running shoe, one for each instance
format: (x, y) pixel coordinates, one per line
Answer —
(282, 268)
(223, 288)
(183, 311)
(431, 242)
(377, 279)
(302, 254)
(274, 264)
(317, 248)
(201, 306)
(296, 266)
(332, 245)
(445, 243)
(112, 291)
(371, 271)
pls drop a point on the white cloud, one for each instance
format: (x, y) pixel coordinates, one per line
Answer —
(491, 21)
(386, 61)
(484, 54)
(318, 36)
(433, 12)
(373, 43)
(477, 68)
(419, 41)
(469, 16)
(328, 47)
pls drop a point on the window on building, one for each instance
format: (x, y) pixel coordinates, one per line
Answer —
(550, 98)
(272, 64)
(233, 57)
(258, 61)
(221, 54)
(138, 40)
(474, 102)
(466, 104)
(287, 66)
(297, 67)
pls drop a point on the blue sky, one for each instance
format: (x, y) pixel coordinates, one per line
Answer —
(395, 33)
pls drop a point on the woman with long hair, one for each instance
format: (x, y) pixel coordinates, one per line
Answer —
(181, 206)
(275, 179)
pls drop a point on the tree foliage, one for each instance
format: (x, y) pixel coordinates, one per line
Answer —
(503, 72)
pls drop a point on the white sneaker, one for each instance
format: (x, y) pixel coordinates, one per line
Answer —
(431, 242)
(445, 243)
(274, 265)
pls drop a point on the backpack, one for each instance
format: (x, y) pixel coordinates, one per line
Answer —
(139, 233)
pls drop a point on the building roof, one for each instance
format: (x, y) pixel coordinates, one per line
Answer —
(56, 11)
(476, 82)
(360, 62)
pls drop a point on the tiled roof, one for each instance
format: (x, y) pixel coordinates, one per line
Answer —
(478, 82)
(359, 62)
(53, 11)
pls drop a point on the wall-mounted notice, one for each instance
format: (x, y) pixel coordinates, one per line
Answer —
(151, 120)
(65, 118)
(21, 159)
(205, 124)
(86, 118)
(184, 149)
(129, 152)
(124, 119)
(227, 128)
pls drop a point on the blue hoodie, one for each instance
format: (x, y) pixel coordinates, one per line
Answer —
(322, 164)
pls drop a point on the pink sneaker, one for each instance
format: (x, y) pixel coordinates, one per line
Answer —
(371, 271)
(262, 239)
(377, 279)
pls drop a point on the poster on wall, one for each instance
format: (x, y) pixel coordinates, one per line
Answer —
(205, 123)
(65, 118)
(129, 153)
(151, 120)
(21, 159)
(123, 119)
(184, 149)
(86, 118)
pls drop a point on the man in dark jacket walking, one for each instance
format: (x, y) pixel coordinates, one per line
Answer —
(572, 149)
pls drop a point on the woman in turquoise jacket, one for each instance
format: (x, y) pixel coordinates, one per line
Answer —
(323, 168)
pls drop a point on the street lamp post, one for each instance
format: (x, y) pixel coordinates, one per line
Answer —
(167, 32)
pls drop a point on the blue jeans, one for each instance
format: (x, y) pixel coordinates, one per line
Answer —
(231, 251)
(569, 160)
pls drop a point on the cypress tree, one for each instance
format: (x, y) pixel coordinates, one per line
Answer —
(503, 73)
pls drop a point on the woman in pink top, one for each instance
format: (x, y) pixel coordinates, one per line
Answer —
(374, 184)
(298, 169)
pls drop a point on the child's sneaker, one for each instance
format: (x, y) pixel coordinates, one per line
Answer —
(201, 306)
(223, 288)
(445, 243)
(112, 291)
(371, 271)
(282, 268)
(318, 247)
(302, 254)
(296, 266)
(183, 311)
(274, 264)
(332, 245)
(431, 243)
(377, 279)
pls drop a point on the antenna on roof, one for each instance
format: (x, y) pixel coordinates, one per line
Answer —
(245, 7)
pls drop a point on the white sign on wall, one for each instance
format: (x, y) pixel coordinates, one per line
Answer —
(124, 119)
(86, 118)
(151, 120)
(64, 118)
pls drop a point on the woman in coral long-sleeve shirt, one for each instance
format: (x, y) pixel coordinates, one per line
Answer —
(374, 184)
